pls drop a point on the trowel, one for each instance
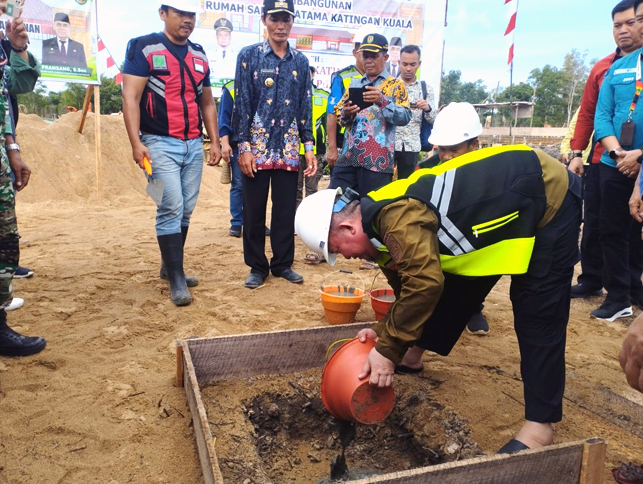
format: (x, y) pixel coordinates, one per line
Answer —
(154, 187)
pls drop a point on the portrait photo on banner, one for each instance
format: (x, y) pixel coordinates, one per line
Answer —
(63, 37)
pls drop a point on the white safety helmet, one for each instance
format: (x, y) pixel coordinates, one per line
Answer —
(455, 124)
(191, 6)
(312, 221)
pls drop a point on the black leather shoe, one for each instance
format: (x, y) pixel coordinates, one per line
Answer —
(254, 281)
(290, 276)
(15, 344)
(581, 290)
(235, 231)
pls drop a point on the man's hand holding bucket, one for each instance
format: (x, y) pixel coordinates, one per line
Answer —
(379, 367)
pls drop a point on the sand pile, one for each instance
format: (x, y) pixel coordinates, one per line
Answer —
(63, 162)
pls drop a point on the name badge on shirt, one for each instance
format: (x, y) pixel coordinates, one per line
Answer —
(159, 61)
(268, 71)
(199, 65)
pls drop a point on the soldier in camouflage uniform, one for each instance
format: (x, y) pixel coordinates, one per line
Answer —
(18, 80)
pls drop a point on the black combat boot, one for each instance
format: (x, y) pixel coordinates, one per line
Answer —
(189, 280)
(172, 253)
(15, 344)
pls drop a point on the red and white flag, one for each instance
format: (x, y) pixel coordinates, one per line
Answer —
(512, 6)
(107, 64)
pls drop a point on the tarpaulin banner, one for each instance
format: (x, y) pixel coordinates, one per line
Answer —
(324, 31)
(63, 37)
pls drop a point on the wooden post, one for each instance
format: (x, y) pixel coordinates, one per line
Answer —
(179, 364)
(88, 96)
(593, 464)
(99, 176)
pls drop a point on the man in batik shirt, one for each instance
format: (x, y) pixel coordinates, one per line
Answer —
(274, 107)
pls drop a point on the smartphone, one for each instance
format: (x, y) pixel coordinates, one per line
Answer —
(356, 96)
(14, 8)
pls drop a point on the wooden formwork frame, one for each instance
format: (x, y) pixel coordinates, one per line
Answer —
(203, 361)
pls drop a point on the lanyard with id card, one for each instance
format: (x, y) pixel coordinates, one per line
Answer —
(629, 126)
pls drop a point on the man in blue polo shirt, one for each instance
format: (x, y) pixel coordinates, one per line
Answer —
(619, 127)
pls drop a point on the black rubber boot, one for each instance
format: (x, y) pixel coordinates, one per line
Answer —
(172, 253)
(189, 280)
(15, 344)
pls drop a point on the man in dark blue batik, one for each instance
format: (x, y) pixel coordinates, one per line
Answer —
(273, 102)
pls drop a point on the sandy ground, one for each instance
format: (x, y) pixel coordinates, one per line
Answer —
(99, 404)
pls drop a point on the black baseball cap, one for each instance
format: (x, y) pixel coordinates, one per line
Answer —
(223, 24)
(276, 6)
(61, 17)
(374, 43)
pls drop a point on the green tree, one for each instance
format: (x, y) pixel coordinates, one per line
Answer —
(454, 90)
(551, 99)
(73, 95)
(111, 96)
(576, 70)
(36, 100)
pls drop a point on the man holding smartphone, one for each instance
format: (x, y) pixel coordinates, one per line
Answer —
(619, 127)
(367, 160)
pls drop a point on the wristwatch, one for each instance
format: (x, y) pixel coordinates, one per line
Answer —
(12, 147)
(640, 158)
(577, 155)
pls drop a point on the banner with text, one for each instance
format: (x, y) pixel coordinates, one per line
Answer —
(324, 31)
(63, 37)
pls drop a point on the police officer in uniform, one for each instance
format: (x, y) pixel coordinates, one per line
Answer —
(339, 82)
(224, 58)
(444, 236)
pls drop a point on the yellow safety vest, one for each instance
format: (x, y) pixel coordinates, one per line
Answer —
(320, 104)
(230, 87)
(488, 202)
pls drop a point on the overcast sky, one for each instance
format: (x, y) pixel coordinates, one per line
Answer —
(546, 31)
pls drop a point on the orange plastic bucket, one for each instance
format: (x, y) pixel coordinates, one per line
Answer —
(381, 300)
(341, 299)
(348, 398)
(341, 303)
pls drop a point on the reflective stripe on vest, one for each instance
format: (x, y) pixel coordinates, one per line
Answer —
(230, 87)
(320, 104)
(488, 202)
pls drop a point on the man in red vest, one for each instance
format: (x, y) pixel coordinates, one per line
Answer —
(166, 99)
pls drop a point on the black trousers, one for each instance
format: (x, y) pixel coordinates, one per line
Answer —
(282, 224)
(406, 162)
(359, 179)
(620, 237)
(591, 255)
(540, 300)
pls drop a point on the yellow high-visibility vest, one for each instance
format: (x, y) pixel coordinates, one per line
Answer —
(489, 203)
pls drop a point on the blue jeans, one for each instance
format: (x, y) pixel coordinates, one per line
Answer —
(179, 165)
(236, 193)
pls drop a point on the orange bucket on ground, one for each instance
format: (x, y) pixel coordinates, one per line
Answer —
(348, 398)
(341, 301)
(381, 299)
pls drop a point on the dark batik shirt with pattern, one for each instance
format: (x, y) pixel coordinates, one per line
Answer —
(273, 104)
(370, 135)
